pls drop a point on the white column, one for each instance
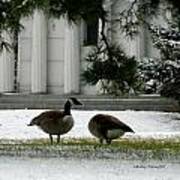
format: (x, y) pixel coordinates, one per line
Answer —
(6, 66)
(108, 29)
(72, 59)
(39, 53)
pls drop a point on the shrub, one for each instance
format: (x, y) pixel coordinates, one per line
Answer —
(155, 73)
(168, 42)
(116, 72)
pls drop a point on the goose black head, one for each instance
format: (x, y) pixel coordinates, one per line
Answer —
(34, 121)
(68, 104)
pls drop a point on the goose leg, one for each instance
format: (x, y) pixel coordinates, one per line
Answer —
(101, 141)
(51, 138)
(108, 141)
(58, 138)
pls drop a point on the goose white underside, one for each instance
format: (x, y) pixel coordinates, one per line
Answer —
(68, 119)
(111, 134)
(115, 133)
(67, 123)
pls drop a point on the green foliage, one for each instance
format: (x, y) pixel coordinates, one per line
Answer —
(116, 72)
(167, 41)
(162, 75)
(135, 15)
(140, 12)
(174, 7)
(172, 88)
(155, 73)
(11, 12)
(74, 10)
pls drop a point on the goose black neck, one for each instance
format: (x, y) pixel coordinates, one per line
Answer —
(67, 108)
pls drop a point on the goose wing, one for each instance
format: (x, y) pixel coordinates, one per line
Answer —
(48, 117)
(50, 122)
(108, 122)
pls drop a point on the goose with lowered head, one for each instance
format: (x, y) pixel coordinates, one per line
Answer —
(107, 127)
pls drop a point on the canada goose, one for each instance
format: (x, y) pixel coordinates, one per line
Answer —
(56, 122)
(107, 127)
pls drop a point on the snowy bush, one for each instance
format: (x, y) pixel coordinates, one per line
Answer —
(168, 42)
(172, 89)
(155, 73)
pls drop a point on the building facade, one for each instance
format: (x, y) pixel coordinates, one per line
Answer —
(51, 54)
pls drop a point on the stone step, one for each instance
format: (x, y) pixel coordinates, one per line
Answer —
(87, 105)
(148, 103)
(167, 108)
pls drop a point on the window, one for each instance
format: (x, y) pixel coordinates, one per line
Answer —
(91, 33)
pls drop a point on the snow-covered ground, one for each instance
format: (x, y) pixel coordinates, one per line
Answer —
(13, 124)
(18, 168)
(146, 124)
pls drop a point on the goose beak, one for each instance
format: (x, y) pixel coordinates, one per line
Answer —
(75, 101)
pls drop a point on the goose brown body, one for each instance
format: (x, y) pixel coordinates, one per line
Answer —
(107, 127)
(56, 122)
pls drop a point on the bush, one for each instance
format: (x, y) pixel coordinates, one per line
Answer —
(155, 73)
(168, 42)
(172, 89)
(116, 72)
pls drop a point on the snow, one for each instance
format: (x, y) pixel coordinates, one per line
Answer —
(146, 124)
(89, 169)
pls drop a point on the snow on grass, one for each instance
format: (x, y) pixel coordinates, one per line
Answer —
(145, 124)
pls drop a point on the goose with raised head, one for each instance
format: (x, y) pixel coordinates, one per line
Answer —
(56, 122)
(107, 127)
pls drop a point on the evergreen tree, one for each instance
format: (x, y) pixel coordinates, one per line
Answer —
(116, 75)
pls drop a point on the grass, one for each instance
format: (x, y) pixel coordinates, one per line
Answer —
(86, 147)
(136, 144)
